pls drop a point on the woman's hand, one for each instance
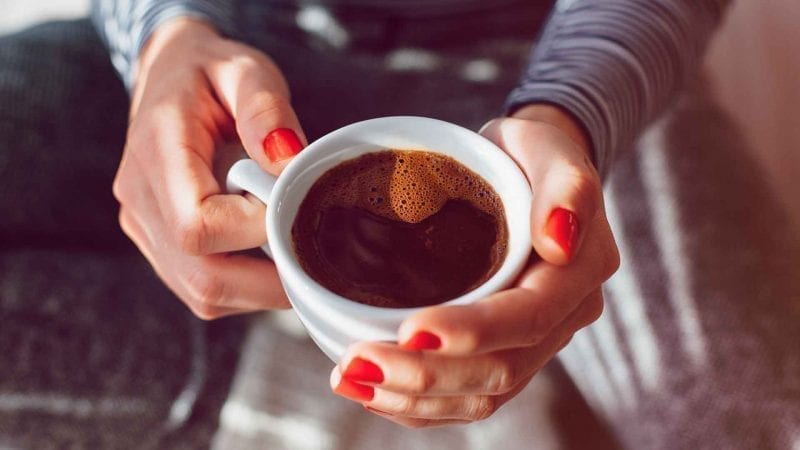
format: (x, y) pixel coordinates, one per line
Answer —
(458, 364)
(194, 92)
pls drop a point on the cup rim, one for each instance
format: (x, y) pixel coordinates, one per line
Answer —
(293, 273)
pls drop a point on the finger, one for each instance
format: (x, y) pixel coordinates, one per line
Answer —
(422, 411)
(566, 187)
(222, 223)
(392, 368)
(416, 423)
(402, 407)
(208, 282)
(177, 163)
(255, 94)
(462, 407)
(212, 286)
(137, 234)
(430, 374)
(234, 281)
(525, 315)
(392, 404)
(418, 412)
(436, 411)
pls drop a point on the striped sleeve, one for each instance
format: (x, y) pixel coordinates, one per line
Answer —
(616, 64)
(125, 25)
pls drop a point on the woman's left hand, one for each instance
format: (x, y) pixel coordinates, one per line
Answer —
(459, 364)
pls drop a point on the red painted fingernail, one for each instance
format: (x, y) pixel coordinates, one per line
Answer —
(355, 391)
(281, 143)
(363, 371)
(562, 227)
(423, 340)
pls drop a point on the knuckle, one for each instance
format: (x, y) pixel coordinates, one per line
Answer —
(204, 312)
(123, 217)
(610, 261)
(594, 308)
(538, 326)
(265, 103)
(408, 406)
(208, 291)
(502, 378)
(125, 221)
(192, 235)
(121, 186)
(468, 337)
(585, 187)
(117, 189)
(423, 381)
(534, 334)
(482, 407)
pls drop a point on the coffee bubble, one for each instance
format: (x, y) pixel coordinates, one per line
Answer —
(403, 185)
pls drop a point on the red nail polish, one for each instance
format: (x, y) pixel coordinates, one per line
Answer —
(423, 340)
(281, 143)
(363, 371)
(354, 391)
(562, 227)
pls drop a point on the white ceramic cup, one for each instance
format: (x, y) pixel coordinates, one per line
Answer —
(332, 321)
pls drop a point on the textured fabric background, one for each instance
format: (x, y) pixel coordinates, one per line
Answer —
(95, 352)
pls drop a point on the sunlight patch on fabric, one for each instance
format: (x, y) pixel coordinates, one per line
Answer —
(661, 192)
(610, 351)
(586, 363)
(637, 330)
(294, 431)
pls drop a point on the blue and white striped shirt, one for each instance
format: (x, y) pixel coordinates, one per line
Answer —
(614, 64)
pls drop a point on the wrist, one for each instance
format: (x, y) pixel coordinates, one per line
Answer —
(559, 118)
(182, 29)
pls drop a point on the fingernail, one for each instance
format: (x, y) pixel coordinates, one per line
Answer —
(355, 391)
(281, 143)
(363, 371)
(562, 227)
(377, 411)
(423, 340)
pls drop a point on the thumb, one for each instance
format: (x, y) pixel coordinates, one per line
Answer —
(566, 188)
(257, 97)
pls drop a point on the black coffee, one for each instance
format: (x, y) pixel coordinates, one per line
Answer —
(400, 229)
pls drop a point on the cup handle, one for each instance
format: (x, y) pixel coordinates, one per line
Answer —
(246, 176)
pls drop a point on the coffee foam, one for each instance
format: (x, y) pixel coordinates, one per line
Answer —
(404, 185)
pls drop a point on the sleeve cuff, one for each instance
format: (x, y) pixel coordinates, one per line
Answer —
(126, 26)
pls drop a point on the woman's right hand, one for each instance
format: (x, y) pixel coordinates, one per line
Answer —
(194, 91)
